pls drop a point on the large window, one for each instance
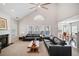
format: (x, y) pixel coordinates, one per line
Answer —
(39, 29)
(70, 28)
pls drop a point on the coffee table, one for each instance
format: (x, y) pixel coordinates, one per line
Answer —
(34, 48)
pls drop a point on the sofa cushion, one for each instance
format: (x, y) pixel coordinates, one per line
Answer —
(32, 35)
(57, 49)
(58, 41)
(63, 43)
(51, 40)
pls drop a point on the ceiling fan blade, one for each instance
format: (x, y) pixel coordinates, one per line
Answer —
(33, 3)
(32, 7)
(44, 7)
(46, 3)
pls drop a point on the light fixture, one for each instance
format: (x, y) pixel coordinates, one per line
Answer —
(39, 6)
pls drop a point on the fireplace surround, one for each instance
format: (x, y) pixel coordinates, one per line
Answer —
(4, 40)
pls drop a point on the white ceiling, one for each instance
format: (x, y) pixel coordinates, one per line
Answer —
(70, 20)
(67, 10)
(20, 10)
(16, 9)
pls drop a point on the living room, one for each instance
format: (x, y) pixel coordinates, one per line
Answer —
(25, 22)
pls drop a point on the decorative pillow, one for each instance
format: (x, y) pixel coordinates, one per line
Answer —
(56, 40)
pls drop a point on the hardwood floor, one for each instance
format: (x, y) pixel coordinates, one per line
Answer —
(19, 48)
(75, 51)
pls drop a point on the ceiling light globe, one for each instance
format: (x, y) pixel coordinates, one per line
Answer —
(39, 6)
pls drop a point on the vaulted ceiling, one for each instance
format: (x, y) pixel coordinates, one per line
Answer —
(16, 9)
(63, 10)
(67, 10)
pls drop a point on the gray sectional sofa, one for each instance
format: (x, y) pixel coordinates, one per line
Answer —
(57, 47)
(30, 37)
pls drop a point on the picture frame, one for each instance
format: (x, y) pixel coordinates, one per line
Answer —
(3, 23)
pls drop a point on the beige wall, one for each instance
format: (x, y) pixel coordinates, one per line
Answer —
(50, 19)
(13, 30)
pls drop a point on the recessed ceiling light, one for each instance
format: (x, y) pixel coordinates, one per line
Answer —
(12, 10)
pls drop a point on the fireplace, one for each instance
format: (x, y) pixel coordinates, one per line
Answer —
(4, 40)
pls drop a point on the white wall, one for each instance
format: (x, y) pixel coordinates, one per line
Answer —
(13, 30)
(50, 19)
(11, 25)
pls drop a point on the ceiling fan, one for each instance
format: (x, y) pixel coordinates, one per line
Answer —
(39, 5)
